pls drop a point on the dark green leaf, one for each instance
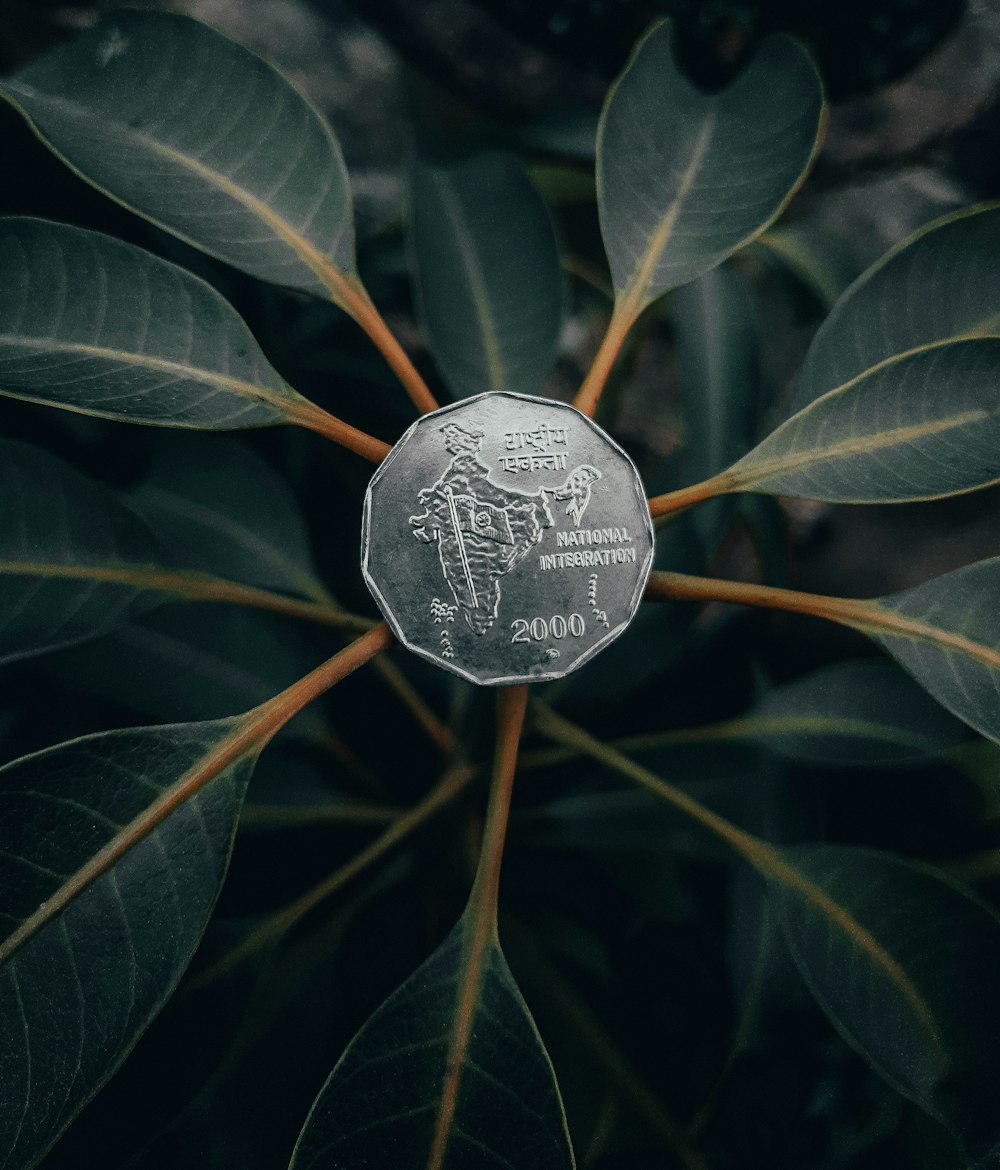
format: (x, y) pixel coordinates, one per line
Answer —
(185, 662)
(814, 255)
(98, 326)
(384, 1101)
(235, 515)
(487, 266)
(854, 713)
(54, 525)
(203, 138)
(904, 963)
(113, 849)
(684, 177)
(716, 338)
(946, 633)
(924, 425)
(939, 286)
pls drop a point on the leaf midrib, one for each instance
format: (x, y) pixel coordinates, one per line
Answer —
(240, 742)
(237, 386)
(757, 472)
(320, 264)
(477, 286)
(763, 857)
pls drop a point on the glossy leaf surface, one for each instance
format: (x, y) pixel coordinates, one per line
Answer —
(946, 633)
(919, 427)
(853, 713)
(490, 284)
(53, 522)
(110, 864)
(203, 138)
(717, 361)
(685, 177)
(941, 285)
(902, 962)
(382, 1103)
(98, 326)
(231, 511)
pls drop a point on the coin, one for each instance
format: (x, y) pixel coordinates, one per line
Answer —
(506, 538)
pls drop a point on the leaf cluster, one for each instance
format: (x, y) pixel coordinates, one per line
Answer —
(750, 908)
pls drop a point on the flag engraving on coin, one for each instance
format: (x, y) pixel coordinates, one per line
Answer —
(482, 529)
(491, 526)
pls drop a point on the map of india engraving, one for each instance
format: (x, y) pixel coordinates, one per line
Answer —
(506, 538)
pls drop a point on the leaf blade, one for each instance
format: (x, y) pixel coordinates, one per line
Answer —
(928, 1043)
(124, 108)
(918, 427)
(887, 313)
(139, 340)
(491, 289)
(668, 211)
(89, 929)
(510, 1114)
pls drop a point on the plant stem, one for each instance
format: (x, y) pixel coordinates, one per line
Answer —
(353, 297)
(511, 705)
(454, 780)
(315, 418)
(589, 394)
(683, 498)
(251, 733)
(857, 614)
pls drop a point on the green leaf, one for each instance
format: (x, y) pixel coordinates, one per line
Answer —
(940, 285)
(922, 426)
(98, 326)
(487, 265)
(395, 1099)
(815, 256)
(854, 713)
(946, 633)
(201, 137)
(685, 178)
(113, 849)
(904, 963)
(187, 662)
(717, 358)
(231, 511)
(54, 522)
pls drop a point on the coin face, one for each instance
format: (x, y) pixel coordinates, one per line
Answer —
(506, 538)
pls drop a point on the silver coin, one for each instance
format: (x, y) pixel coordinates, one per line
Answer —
(506, 538)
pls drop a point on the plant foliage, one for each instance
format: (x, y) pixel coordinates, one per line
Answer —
(716, 901)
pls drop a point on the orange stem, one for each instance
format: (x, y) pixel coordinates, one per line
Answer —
(511, 705)
(315, 418)
(681, 587)
(677, 501)
(354, 298)
(589, 395)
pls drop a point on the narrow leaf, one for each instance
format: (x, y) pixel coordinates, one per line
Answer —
(385, 1099)
(940, 285)
(854, 713)
(54, 524)
(113, 849)
(98, 326)
(884, 946)
(231, 511)
(686, 177)
(487, 267)
(203, 138)
(920, 426)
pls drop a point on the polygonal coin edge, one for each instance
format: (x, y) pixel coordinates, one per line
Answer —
(429, 655)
